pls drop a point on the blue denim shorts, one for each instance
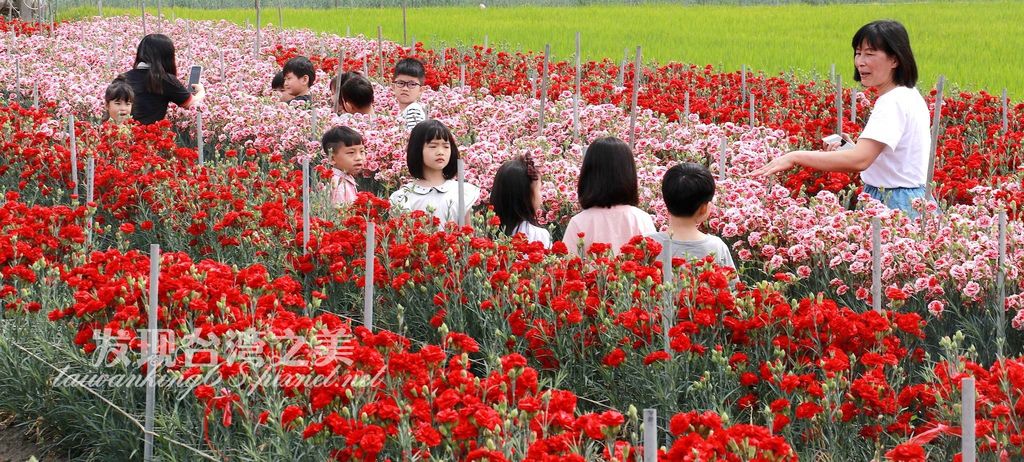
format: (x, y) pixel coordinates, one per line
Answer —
(898, 198)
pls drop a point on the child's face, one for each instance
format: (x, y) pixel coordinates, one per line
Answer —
(349, 159)
(119, 110)
(295, 86)
(407, 89)
(436, 155)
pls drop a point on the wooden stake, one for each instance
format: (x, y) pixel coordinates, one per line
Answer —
(637, 71)
(256, 45)
(543, 90)
(280, 16)
(1006, 110)
(621, 79)
(753, 121)
(371, 244)
(743, 84)
(576, 94)
(462, 74)
(337, 83)
(876, 264)
(380, 52)
(853, 106)
(405, 27)
(936, 120)
(686, 107)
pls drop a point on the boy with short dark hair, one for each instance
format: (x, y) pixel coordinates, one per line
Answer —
(344, 148)
(356, 93)
(407, 80)
(299, 75)
(687, 189)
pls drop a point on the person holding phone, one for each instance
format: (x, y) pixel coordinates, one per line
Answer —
(154, 79)
(892, 152)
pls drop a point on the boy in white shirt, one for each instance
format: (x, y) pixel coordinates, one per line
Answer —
(407, 81)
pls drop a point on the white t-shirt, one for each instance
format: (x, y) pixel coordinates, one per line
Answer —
(412, 115)
(899, 120)
(534, 233)
(442, 201)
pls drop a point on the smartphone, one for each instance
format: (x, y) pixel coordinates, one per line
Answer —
(843, 144)
(193, 75)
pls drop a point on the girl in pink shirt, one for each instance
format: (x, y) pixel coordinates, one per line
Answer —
(345, 148)
(608, 194)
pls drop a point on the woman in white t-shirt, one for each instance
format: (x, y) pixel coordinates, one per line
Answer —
(516, 197)
(892, 152)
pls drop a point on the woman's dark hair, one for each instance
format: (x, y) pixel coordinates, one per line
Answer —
(119, 90)
(423, 133)
(608, 175)
(339, 137)
(157, 50)
(512, 194)
(686, 187)
(892, 38)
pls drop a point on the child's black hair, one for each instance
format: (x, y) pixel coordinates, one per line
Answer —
(339, 137)
(608, 175)
(423, 133)
(157, 51)
(119, 90)
(512, 194)
(355, 89)
(277, 83)
(686, 187)
(300, 66)
(892, 38)
(411, 67)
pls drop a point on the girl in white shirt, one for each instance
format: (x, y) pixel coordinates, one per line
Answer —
(432, 157)
(893, 150)
(516, 198)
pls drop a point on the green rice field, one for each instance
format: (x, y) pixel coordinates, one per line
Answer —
(976, 45)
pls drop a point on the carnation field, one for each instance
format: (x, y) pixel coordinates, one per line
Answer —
(806, 39)
(484, 347)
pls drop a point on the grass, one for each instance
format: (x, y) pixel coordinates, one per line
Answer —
(974, 44)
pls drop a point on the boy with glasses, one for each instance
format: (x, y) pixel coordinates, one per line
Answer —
(407, 82)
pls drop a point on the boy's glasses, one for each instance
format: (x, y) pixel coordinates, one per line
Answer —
(405, 84)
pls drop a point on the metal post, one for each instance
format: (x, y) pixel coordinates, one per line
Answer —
(753, 121)
(543, 90)
(637, 70)
(154, 295)
(256, 45)
(73, 143)
(650, 435)
(200, 146)
(368, 281)
(839, 105)
(405, 27)
(936, 119)
(743, 85)
(968, 446)
(722, 159)
(460, 215)
(1001, 287)
(305, 205)
(876, 264)
(280, 16)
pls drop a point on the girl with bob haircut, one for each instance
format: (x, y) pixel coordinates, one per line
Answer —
(154, 79)
(891, 154)
(516, 198)
(117, 100)
(608, 194)
(432, 157)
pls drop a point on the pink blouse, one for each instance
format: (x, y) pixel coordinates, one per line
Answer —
(613, 225)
